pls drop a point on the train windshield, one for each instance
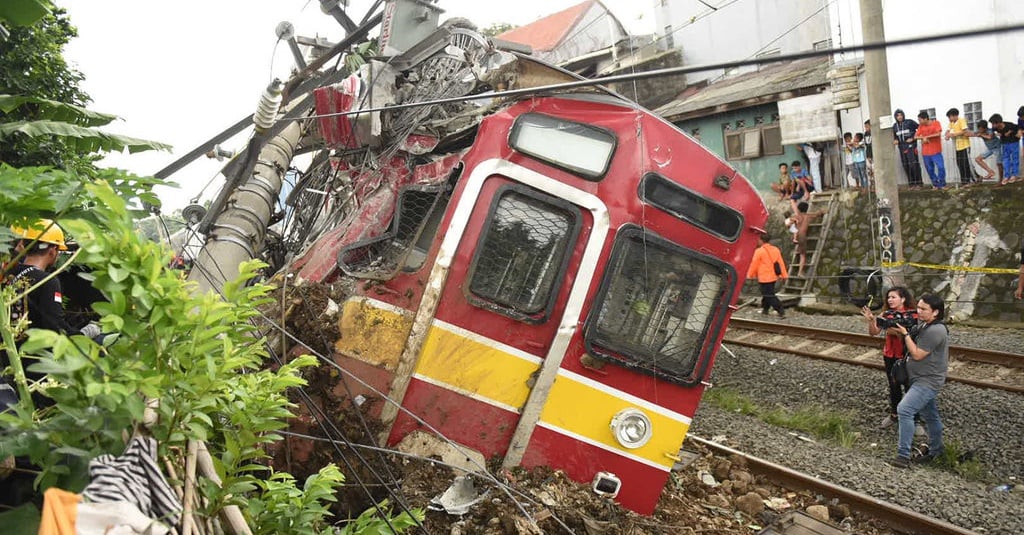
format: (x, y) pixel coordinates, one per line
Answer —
(583, 149)
(656, 306)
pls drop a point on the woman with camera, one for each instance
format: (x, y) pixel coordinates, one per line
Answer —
(897, 299)
(927, 363)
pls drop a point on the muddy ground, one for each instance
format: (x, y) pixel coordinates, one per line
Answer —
(707, 495)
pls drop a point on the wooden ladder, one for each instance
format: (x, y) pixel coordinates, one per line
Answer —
(817, 233)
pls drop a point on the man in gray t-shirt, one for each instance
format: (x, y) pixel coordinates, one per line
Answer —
(927, 363)
(931, 370)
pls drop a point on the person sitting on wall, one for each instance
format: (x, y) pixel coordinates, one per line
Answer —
(784, 186)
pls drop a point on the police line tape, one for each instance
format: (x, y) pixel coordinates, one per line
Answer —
(970, 269)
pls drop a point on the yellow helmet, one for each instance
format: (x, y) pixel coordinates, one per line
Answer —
(44, 230)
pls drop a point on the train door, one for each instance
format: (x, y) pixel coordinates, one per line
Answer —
(514, 267)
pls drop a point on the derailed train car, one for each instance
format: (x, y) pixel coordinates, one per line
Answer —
(544, 280)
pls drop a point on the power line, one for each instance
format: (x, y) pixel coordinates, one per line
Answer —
(675, 71)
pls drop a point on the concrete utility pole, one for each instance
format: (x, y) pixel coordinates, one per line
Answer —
(237, 233)
(876, 68)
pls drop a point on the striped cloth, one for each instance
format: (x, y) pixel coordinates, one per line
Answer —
(134, 477)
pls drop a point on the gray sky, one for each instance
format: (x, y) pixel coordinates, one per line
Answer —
(182, 71)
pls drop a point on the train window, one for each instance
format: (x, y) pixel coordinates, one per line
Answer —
(582, 149)
(400, 247)
(522, 253)
(690, 206)
(656, 307)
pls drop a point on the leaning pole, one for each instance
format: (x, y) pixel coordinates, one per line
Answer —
(237, 233)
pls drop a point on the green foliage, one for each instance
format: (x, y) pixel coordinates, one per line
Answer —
(357, 58)
(23, 12)
(197, 361)
(813, 419)
(32, 65)
(370, 523)
(284, 508)
(497, 28)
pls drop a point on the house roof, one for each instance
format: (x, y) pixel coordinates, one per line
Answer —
(769, 84)
(546, 33)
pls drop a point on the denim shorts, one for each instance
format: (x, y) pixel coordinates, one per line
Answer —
(989, 152)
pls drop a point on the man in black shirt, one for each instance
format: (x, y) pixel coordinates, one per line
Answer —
(40, 245)
(1009, 134)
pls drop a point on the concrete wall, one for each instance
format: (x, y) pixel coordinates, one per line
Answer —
(760, 171)
(652, 92)
(980, 227)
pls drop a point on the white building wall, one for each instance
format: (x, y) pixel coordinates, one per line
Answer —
(739, 29)
(944, 74)
(597, 29)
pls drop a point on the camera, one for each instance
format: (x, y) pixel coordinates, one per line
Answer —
(894, 319)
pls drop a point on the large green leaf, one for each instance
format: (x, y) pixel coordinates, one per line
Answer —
(23, 12)
(84, 139)
(56, 111)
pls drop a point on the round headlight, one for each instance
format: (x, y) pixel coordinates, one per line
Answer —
(632, 428)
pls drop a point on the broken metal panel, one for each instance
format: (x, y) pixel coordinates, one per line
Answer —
(406, 23)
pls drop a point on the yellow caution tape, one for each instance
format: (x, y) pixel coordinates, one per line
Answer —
(970, 269)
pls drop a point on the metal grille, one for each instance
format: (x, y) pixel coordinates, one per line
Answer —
(524, 249)
(307, 201)
(448, 73)
(382, 257)
(655, 307)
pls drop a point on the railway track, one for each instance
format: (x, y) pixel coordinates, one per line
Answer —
(978, 367)
(897, 517)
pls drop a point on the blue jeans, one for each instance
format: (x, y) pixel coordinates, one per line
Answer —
(1011, 160)
(936, 169)
(860, 172)
(919, 400)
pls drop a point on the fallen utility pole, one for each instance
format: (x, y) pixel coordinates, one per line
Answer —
(237, 233)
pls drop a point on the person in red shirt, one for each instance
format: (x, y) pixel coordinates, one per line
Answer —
(768, 267)
(930, 133)
(897, 301)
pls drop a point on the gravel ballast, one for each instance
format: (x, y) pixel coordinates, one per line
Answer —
(987, 423)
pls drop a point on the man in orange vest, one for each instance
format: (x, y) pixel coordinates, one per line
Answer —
(768, 267)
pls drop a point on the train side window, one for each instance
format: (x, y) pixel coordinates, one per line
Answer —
(522, 253)
(582, 149)
(657, 306)
(401, 246)
(691, 206)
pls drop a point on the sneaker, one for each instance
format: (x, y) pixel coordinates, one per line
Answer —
(926, 459)
(887, 422)
(900, 462)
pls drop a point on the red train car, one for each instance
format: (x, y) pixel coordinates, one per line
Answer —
(554, 295)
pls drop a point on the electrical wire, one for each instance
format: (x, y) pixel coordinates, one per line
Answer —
(675, 71)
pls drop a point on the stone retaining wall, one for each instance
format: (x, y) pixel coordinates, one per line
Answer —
(980, 227)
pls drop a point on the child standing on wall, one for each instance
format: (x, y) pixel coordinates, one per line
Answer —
(860, 162)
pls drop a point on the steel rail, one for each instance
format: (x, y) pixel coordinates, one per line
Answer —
(837, 336)
(973, 354)
(896, 516)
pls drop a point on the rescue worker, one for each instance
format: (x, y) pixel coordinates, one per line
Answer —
(39, 245)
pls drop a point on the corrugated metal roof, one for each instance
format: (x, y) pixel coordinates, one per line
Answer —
(546, 33)
(757, 87)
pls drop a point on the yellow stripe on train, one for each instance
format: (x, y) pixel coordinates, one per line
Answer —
(479, 367)
(496, 374)
(587, 410)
